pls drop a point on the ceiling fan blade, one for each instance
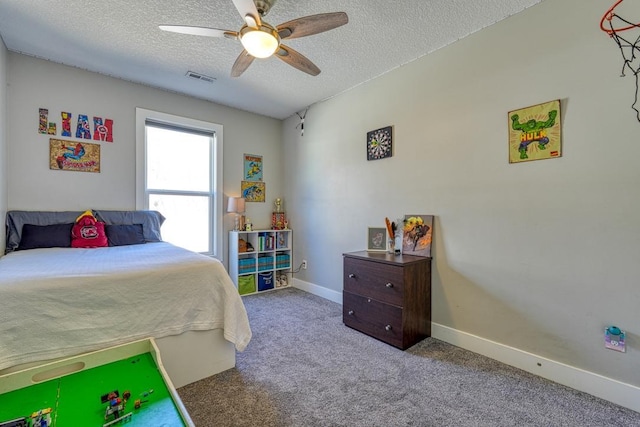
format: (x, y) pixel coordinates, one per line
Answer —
(312, 24)
(249, 12)
(241, 64)
(199, 31)
(297, 60)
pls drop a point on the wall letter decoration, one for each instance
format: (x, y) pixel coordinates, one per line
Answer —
(102, 132)
(66, 123)
(102, 128)
(43, 118)
(83, 130)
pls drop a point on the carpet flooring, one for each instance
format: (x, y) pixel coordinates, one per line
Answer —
(303, 367)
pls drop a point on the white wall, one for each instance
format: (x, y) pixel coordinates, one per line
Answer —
(34, 83)
(3, 140)
(538, 256)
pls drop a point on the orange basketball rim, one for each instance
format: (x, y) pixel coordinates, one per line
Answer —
(609, 15)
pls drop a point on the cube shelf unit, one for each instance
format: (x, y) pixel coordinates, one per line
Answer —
(261, 269)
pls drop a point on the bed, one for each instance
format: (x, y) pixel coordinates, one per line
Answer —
(60, 301)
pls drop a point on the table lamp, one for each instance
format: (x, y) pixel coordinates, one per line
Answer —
(237, 205)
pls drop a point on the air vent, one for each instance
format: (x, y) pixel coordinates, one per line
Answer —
(199, 76)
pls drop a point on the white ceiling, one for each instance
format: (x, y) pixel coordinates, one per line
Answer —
(121, 38)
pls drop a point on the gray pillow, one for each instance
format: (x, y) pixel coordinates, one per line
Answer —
(151, 221)
(17, 219)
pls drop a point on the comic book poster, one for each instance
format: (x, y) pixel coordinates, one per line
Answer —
(74, 156)
(252, 167)
(253, 191)
(534, 132)
(417, 231)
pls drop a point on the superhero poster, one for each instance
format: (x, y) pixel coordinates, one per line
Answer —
(74, 156)
(253, 191)
(252, 167)
(534, 132)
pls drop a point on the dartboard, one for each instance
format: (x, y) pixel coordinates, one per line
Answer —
(379, 144)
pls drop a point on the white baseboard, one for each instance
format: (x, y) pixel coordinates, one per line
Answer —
(597, 385)
(321, 291)
(620, 393)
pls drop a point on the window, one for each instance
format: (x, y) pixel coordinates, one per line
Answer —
(179, 174)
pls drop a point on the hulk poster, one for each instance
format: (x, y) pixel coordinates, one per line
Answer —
(534, 132)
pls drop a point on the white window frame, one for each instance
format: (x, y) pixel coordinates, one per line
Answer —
(142, 115)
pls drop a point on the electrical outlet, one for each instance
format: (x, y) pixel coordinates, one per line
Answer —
(304, 264)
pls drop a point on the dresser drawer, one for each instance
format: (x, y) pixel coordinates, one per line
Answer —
(382, 282)
(372, 317)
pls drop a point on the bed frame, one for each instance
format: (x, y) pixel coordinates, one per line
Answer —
(194, 355)
(187, 358)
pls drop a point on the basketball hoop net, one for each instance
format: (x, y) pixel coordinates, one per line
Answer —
(613, 24)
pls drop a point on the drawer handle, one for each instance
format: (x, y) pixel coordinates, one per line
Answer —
(352, 276)
(389, 285)
(388, 327)
(350, 313)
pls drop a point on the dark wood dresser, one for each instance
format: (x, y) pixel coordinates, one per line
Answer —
(388, 296)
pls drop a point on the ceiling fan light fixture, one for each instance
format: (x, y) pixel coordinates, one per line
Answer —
(261, 42)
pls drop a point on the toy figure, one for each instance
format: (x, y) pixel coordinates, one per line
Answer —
(115, 405)
(41, 418)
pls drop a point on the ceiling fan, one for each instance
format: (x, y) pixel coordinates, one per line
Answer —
(261, 40)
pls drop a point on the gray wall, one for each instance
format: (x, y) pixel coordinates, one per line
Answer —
(34, 83)
(539, 256)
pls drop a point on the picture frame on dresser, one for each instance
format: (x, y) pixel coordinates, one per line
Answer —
(417, 234)
(376, 239)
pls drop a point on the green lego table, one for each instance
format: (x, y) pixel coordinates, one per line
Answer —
(80, 391)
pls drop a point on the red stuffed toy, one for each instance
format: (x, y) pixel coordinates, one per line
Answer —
(87, 232)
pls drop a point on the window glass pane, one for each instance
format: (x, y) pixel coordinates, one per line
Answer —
(187, 220)
(177, 160)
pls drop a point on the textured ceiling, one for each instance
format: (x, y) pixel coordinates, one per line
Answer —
(121, 38)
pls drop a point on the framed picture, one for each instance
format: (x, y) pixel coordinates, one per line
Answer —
(416, 235)
(376, 239)
(253, 191)
(74, 156)
(379, 144)
(252, 167)
(535, 132)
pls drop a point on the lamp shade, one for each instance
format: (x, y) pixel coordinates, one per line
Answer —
(235, 205)
(232, 206)
(240, 204)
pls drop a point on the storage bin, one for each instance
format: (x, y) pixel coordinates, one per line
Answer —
(265, 281)
(265, 263)
(246, 284)
(283, 261)
(246, 265)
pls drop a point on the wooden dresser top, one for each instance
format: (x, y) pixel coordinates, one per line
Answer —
(387, 258)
